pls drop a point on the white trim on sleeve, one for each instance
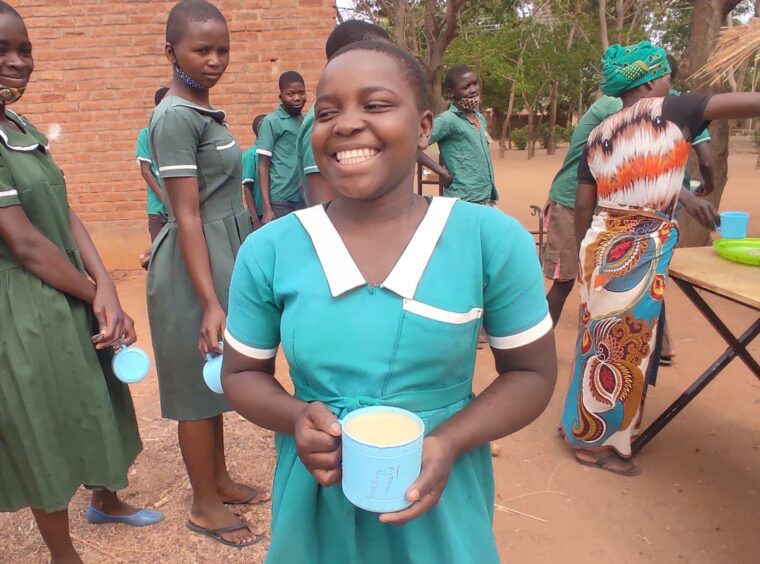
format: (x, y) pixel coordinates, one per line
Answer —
(227, 146)
(264, 152)
(8, 193)
(144, 159)
(177, 167)
(251, 352)
(247, 180)
(524, 337)
(311, 169)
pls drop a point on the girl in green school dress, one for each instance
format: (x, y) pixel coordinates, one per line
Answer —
(377, 299)
(199, 166)
(65, 420)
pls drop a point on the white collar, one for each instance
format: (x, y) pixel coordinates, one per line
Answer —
(340, 269)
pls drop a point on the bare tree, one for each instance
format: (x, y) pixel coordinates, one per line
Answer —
(603, 25)
(440, 30)
(707, 17)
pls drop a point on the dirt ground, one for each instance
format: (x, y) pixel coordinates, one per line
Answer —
(697, 499)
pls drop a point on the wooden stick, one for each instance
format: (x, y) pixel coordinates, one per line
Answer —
(510, 510)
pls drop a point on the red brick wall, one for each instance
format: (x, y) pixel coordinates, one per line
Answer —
(99, 62)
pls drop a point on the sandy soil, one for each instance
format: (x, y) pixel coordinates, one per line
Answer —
(697, 499)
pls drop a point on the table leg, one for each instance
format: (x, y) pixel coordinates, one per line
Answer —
(719, 326)
(699, 384)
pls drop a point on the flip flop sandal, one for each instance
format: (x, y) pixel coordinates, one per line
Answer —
(602, 465)
(666, 361)
(216, 534)
(247, 501)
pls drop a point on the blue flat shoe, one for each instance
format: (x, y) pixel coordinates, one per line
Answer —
(142, 518)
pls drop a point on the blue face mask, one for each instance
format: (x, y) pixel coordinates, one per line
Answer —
(184, 77)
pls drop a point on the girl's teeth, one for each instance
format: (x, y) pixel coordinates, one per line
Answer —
(355, 156)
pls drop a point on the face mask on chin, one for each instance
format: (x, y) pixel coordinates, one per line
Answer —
(295, 112)
(470, 104)
(184, 77)
(9, 95)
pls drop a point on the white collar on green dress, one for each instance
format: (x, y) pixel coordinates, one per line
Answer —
(18, 136)
(340, 269)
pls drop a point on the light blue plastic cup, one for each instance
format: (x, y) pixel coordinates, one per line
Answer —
(734, 225)
(130, 364)
(212, 373)
(376, 478)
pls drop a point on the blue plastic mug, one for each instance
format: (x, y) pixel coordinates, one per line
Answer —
(376, 478)
(130, 364)
(212, 373)
(734, 225)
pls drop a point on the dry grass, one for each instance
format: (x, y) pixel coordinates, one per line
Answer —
(737, 45)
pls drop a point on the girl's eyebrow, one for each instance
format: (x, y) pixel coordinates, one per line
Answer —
(364, 92)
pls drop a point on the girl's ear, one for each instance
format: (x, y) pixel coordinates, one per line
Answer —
(169, 52)
(426, 130)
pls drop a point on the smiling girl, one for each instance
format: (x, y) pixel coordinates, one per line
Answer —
(64, 418)
(378, 299)
(199, 165)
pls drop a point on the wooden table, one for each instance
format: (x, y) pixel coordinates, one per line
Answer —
(702, 269)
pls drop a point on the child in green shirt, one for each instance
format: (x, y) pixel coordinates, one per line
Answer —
(251, 189)
(278, 155)
(155, 202)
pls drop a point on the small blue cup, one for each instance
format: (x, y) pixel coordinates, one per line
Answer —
(130, 364)
(376, 478)
(212, 373)
(734, 225)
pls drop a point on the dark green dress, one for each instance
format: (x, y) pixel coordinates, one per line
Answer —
(190, 141)
(64, 418)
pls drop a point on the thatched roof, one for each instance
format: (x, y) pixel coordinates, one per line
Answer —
(736, 45)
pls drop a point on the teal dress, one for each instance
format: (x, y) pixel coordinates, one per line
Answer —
(409, 342)
(65, 420)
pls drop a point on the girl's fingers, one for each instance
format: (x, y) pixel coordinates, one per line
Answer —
(418, 508)
(323, 460)
(313, 440)
(323, 419)
(327, 478)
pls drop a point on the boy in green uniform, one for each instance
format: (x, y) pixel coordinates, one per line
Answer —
(251, 189)
(560, 259)
(155, 203)
(316, 189)
(462, 137)
(278, 157)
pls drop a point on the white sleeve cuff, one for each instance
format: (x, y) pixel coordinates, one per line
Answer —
(264, 152)
(524, 337)
(251, 352)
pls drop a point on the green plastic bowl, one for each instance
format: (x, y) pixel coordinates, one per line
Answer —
(745, 251)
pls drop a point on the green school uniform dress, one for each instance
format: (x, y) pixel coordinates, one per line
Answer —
(188, 140)
(306, 163)
(154, 205)
(409, 342)
(65, 420)
(277, 140)
(464, 148)
(251, 175)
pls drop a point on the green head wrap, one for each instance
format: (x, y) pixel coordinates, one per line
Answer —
(625, 68)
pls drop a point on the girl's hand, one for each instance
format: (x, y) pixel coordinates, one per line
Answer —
(317, 434)
(212, 328)
(145, 259)
(111, 318)
(268, 216)
(437, 461)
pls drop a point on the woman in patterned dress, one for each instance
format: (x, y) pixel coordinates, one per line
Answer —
(631, 173)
